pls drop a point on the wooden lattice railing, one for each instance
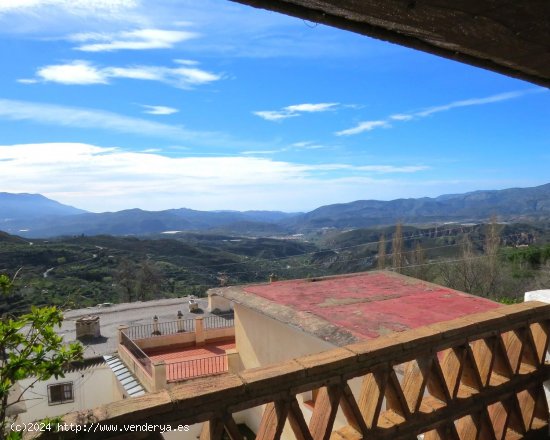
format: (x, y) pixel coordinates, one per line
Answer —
(477, 377)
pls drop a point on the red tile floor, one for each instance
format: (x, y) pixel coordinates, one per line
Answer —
(185, 363)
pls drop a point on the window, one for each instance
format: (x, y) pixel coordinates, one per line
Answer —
(60, 393)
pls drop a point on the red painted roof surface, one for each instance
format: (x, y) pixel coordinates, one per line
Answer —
(185, 363)
(373, 304)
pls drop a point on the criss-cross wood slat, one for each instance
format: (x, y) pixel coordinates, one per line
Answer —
(475, 378)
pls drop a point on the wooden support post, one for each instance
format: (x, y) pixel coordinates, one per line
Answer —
(297, 421)
(273, 421)
(212, 430)
(324, 413)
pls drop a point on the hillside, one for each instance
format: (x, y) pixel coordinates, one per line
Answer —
(514, 204)
(83, 271)
(137, 221)
(47, 218)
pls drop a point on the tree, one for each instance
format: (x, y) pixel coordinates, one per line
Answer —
(125, 277)
(149, 281)
(382, 252)
(491, 248)
(29, 347)
(466, 273)
(420, 270)
(397, 248)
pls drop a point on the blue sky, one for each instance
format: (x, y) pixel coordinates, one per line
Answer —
(115, 104)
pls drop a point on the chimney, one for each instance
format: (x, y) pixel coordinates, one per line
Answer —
(88, 327)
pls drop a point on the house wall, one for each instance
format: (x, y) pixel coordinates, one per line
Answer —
(216, 302)
(92, 387)
(261, 340)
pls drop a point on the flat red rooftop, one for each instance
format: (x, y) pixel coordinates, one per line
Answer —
(367, 305)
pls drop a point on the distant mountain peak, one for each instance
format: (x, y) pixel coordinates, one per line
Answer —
(27, 206)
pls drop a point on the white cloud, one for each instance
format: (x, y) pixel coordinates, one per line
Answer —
(77, 72)
(292, 111)
(71, 6)
(80, 72)
(309, 145)
(253, 152)
(186, 62)
(100, 178)
(401, 117)
(362, 127)
(390, 169)
(65, 116)
(311, 108)
(159, 110)
(273, 115)
(140, 39)
(27, 81)
(473, 101)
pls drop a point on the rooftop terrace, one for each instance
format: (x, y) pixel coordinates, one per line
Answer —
(187, 362)
(132, 314)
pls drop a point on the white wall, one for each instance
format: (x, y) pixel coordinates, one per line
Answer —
(219, 303)
(92, 387)
(261, 340)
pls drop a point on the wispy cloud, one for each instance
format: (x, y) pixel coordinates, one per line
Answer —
(159, 110)
(311, 108)
(140, 39)
(403, 117)
(292, 111)
(364, 126)
(106, 178)
(72, 6)
(309, 145)
(275, 115)
(262, 152)
(79, 117)
(296, 146)
(387, 169)
(473, 101)
(81, 72)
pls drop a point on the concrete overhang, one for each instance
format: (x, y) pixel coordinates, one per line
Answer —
(505, 36)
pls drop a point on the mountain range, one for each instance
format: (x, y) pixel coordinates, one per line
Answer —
(33, 215)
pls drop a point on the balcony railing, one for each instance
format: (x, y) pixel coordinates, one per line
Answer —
(477, 377)
(160, 328)
(219, 321)
(207, 366)
(137, 353)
